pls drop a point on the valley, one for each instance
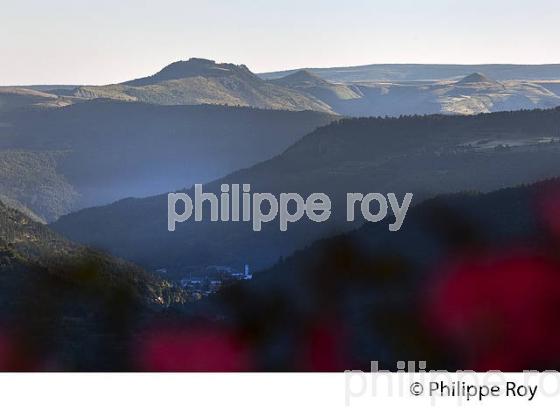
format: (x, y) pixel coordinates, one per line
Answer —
(423, 155)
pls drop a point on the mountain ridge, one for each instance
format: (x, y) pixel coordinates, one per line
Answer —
(427, 72)
(374, 90)
(200, 81)
(192, 68)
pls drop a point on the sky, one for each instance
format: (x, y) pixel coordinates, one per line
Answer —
(103, 42)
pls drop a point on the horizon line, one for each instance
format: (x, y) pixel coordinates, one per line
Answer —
(35, 84)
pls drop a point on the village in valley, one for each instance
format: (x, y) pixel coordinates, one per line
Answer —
(210, 279)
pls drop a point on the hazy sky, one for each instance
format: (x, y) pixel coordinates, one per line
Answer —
(98, 42)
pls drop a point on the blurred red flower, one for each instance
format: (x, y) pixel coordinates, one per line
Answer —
(193, 349)
(500, 311)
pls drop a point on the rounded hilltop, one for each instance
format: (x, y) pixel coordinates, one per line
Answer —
(476, 78)
(194, 67)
